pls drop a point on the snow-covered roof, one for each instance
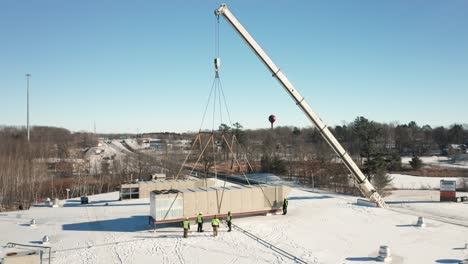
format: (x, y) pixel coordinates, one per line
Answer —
(457, 146)
(319, 228)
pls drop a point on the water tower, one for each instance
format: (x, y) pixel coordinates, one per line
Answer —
(272, 119)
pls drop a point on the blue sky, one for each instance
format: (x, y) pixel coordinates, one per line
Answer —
(147, 65)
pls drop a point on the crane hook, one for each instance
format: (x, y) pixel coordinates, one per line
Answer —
(217, 64)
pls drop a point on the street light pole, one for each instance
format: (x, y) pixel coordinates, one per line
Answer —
(27, 122)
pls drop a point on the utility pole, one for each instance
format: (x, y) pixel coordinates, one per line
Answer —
(27, 106)
(27, 128)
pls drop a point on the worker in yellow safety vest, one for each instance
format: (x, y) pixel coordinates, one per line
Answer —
(229, 221)
(285, 206)
(186, 225)
(215, 225)
(200, 222)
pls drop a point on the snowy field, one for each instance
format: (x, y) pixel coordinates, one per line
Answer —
(117, 145)
(438, 161)
(426, 203)
(319, 228)
(402, 181)
(134, 144)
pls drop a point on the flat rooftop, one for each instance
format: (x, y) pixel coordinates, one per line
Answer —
(319, 228)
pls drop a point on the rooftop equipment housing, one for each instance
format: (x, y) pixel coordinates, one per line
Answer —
(174, 205)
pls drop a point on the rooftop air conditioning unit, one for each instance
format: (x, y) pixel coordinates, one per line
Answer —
(23, 257)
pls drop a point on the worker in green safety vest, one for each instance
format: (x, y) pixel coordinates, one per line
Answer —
(215, 225)
(186, 225)
(200, 222)
(285, 206)
(229, 221)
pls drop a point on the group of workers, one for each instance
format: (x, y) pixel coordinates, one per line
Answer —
(214, 224)
(215, 221)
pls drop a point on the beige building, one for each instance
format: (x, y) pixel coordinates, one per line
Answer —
(142, 189)
(174, 205)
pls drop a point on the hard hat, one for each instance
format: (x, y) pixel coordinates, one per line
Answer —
(186, 218)
(200, 213)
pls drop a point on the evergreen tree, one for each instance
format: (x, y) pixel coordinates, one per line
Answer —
(367, 132)
(275, 165)
(239, 133)
(394, 162)
(278, 166)
(439, 135)
(265, 163)
(456, 134)
(381, 181)
(296, 131)
(416, 163)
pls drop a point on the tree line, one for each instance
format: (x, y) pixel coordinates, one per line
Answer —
(298, 154)
(24, 176)
(302, 155)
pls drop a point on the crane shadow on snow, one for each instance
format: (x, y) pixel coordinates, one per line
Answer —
(459, 248)
(362, 259)
(449, 260)
(112, 205)
(407, 225)
(309, 197)
(130, 224)
(77, 203)
(411, 202)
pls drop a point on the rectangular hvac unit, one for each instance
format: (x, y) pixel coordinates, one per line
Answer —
(166, 207)
(23, 257)
(175, 205)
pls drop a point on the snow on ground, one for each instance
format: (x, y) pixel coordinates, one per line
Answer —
(426, 203)
(440, 161)
(402, 181)
(117, 145)
(319, 228)
(220, 183)
(109, 150)
(134, 144)
(268, 178)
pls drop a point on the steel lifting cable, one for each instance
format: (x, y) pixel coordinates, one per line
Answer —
(212, 131)
(217, 92)
(221, 94)
(219, 101)
(248, 163)
(216, 36)
(245, 176)
(214, 107)
(201, 154)
(214, 156)
(217, 82)
(235, 159)
(225, 104)
(186, 158)
(213, 93)
(207, 104)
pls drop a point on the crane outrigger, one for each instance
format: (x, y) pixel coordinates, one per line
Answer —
(366, 188)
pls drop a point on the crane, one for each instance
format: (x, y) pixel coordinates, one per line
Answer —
(366, 188)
